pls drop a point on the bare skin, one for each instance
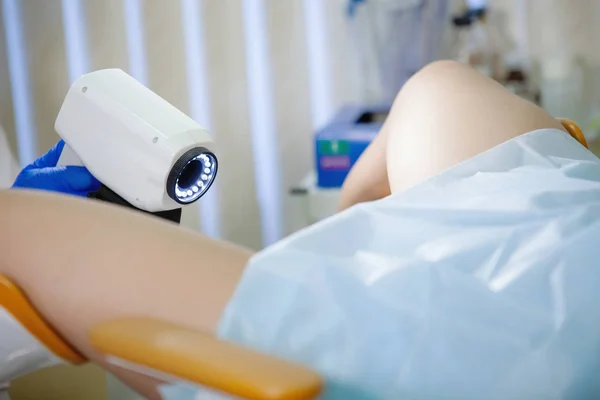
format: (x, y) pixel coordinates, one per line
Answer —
(445, 114)
(82, 262)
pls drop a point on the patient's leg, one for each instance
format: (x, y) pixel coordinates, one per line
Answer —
(448, 113)
(82, 262)
(444, 114)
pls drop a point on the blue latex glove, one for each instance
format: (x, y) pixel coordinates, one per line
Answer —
(43, 174)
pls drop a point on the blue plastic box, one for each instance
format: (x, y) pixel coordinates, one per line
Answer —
(339, 144)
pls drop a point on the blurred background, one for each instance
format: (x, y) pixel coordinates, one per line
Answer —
(266, 75)
(293, 90)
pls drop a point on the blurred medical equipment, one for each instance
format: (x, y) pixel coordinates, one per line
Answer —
(519, 80)
(147, 154)
(44, 174)
(9, 168)
(478, 43)
(29, 343)
(480, 39)
(341, 142)
(473, 45)
(394, 39)
(337, 146)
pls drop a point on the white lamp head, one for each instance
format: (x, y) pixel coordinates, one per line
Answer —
(137, 144)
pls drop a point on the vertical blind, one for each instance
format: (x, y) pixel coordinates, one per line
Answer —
(257, 73)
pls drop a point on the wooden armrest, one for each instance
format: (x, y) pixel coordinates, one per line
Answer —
(14, 301)
(199, 358)
(574, 130)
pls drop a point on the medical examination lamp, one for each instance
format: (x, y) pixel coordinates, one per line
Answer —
(148, 155)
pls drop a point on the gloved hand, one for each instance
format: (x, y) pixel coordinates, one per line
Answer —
(43, 174)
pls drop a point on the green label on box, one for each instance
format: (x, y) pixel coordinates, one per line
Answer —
(334, 147)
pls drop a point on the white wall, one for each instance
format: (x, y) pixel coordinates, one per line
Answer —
(554, 25)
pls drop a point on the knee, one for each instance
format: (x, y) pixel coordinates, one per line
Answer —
(441, 80)
(448, 112)
(440, 69)
(441, 91)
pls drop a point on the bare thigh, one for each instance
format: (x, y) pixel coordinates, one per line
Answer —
(448, 113)
(82, 262)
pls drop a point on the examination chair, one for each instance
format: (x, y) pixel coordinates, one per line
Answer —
(155, 348)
